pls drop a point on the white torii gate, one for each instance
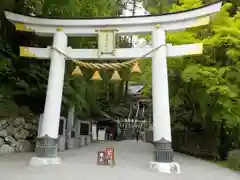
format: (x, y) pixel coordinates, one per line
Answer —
(61, 29)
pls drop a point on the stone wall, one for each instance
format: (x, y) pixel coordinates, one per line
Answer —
(17, 135)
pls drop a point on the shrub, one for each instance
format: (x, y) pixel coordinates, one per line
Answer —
(234, 159)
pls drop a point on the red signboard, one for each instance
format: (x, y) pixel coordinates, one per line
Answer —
(109, 152)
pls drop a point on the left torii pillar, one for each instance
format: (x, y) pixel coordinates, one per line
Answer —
(47, 140)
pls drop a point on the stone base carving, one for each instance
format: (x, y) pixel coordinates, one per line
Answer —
(168, 168)
(39, 161)
(46, 147)
(163, 151)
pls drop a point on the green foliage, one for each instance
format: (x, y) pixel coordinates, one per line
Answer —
(234, 159)
(23, 82)
(78, 8)
(157, 7)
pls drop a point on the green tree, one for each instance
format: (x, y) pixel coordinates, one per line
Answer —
(204, 89)
(29, 77)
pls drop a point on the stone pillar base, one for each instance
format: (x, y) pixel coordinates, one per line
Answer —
(41, 161)
(163, 151)
(168, 168)
(46, 147)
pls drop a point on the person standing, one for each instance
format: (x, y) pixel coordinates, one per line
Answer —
(137, 135)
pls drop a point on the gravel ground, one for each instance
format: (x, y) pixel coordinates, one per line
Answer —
(131, 163)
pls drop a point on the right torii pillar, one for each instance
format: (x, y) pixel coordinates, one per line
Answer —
(163, 153)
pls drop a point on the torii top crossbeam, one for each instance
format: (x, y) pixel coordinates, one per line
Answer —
(124, 25)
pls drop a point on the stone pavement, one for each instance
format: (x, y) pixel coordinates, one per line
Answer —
(131, 164)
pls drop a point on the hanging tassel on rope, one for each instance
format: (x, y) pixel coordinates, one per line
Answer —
(116, 76)
(136, 68)
(96, 76)
(77, 71)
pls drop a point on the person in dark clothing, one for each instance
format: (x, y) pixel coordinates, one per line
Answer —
(137, 135)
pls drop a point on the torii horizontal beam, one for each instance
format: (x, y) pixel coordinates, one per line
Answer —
(124, 25)
(120, 54)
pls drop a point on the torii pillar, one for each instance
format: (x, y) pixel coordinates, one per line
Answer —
(48, 133)
(163, 153)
